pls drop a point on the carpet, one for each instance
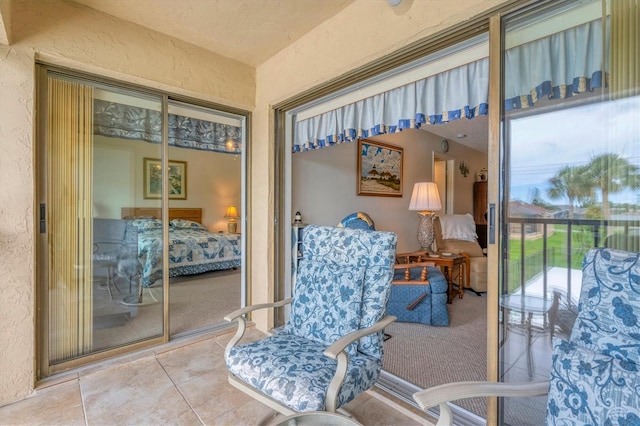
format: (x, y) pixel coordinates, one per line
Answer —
(202, 300)
(432, 355)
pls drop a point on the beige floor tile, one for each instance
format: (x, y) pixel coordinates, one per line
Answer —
(185, 385)
(139, 392)
(192, 361)
(249, 414)
(60, 405)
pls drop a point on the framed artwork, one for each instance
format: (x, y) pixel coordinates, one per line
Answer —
(379, 169)
(153, 179)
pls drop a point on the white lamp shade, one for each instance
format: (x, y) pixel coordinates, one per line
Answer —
(425, 197)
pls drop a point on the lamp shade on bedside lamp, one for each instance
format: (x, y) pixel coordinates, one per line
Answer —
(232, 214)
(425, 199)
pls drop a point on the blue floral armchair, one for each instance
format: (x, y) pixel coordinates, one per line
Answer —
(330, 349)
(594, 374)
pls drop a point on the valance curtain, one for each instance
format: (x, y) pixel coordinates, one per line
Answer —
(137, 123)
(559, 66)
(437, 99)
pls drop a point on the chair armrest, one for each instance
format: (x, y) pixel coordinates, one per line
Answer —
(340, 345)
(242, 311)
(239, 315)
(440, 395)
(336, 350)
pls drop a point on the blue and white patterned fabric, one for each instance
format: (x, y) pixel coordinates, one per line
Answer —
(327, 302)
(342, 285)
(432, 310)
(594, 377)
(191, 251)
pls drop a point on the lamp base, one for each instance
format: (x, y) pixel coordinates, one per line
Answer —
(425, 232)
(232, 227)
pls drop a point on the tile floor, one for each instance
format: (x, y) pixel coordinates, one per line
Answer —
(180, 383)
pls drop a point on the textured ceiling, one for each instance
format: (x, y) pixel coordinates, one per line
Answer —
(250, 31)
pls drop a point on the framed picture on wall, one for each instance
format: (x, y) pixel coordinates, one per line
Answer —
(379, 169)
(153, 179)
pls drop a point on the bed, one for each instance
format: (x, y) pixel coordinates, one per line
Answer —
(192, 248)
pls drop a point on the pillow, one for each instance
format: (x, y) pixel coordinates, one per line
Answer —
(147, 224)
(185, 224)
(458, 227)
(334, 291)
(587, 387)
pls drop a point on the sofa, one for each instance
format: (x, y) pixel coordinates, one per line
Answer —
(456, 233)
(419, 294)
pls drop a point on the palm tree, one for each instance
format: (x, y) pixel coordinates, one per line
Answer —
(611, 174)
(570, 182)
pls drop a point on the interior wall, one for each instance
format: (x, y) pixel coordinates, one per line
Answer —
(324, 183)
(69, 35)
(213, 180)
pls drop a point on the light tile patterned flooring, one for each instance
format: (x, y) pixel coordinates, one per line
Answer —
(181, 383)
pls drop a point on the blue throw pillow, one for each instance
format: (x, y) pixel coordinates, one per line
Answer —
(326, 302)
(592, 388)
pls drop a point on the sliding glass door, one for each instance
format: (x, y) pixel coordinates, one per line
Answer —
(134, 193)
(90, 266)
(572, 167)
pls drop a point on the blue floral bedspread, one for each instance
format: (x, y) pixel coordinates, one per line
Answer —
(191, 251)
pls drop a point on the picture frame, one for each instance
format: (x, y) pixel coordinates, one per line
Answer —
(379, 169)
(153, 179)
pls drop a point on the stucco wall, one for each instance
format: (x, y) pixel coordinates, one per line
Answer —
(363, 32)
(69, 35)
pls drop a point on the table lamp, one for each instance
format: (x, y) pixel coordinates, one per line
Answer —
(425, 199)
(232, 214)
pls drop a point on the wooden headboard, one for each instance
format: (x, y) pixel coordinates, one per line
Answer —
(194, 214)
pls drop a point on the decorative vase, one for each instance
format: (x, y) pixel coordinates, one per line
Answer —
(425, 231)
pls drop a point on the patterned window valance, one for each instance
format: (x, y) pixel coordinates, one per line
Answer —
(131, 122)
(556, 66)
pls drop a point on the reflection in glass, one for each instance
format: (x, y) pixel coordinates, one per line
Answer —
(573, 174)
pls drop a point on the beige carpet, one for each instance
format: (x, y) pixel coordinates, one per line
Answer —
(202, 300)
(428, 356)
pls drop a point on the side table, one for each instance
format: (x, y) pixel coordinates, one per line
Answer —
(447, 265)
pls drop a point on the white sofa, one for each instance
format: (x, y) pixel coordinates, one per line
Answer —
(456, 233)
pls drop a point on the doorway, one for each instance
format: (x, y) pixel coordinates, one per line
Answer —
(125, 209)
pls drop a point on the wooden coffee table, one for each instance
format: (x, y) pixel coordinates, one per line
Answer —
(447, 265)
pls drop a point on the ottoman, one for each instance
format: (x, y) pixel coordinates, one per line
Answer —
(413, 299)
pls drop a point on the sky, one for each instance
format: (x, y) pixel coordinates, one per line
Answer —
(383, 158)
(542, 144)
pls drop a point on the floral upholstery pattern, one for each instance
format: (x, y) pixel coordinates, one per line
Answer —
(342, 285)
(293, 370)
(375, 251)
(326, 304)
(594, 377)
(185, 224)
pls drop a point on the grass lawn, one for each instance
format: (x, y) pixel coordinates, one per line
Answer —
(581, 241)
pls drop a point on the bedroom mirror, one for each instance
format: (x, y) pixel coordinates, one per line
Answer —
(134, 246)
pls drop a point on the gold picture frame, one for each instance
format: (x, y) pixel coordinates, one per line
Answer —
(379, 169)
(153, 179)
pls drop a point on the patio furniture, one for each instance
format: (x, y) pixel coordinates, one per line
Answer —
(594, 374)
(419, 294)
(330, 349)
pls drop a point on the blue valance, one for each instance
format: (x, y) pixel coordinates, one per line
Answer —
(556, 66)
(459, 92)
(137, 123)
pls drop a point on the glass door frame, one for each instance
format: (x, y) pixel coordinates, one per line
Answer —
(43, 367)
